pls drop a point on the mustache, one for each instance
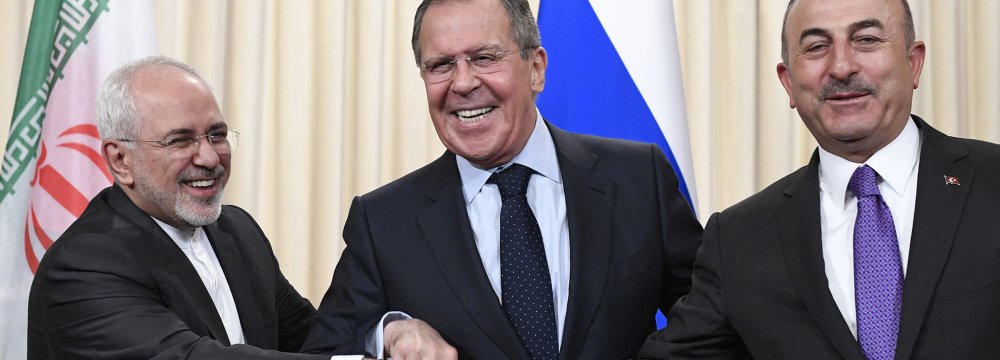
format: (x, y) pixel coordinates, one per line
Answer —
(852, 84)
(201, 173)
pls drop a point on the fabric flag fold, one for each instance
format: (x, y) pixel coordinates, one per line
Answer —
(614, 71)
(51, 163)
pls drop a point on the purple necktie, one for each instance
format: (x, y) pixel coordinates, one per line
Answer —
(878, 275)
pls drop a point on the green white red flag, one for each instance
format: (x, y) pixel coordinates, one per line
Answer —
(52, 165)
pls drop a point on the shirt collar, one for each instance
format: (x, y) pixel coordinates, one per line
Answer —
(539, 153)
(894, 163)
(183, 238)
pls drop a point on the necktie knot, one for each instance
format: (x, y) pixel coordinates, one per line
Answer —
(512, 181)
(864, 182)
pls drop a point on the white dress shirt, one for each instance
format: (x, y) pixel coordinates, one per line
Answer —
(199, 251)
(896, 165)
(546, 199)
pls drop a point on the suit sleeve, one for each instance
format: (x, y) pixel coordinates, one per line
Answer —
(294, 313)
(697, 325)
(355, 301)
(681, 233)
(98, 301)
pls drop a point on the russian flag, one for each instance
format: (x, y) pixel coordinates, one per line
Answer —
(614, 71)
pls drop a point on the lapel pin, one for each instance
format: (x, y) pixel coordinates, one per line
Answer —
(951, 180)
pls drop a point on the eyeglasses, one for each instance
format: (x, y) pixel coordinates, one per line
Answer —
(222, 141)
(481, 63)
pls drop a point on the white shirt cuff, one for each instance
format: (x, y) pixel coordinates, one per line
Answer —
(375, 339)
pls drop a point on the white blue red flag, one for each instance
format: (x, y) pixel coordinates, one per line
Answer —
(615, 72)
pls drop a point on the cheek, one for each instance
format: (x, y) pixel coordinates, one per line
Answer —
(435, 96)
(171, 172)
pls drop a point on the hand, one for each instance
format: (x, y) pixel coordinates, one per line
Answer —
(415, 339)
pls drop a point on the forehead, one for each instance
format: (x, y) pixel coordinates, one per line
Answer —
(170, 98)
(839, 15)
(454, 27)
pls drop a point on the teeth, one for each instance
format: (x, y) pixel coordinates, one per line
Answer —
(470, 116)
(201, 183)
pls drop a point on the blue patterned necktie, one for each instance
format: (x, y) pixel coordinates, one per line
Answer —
(525, 285)
(878, 275)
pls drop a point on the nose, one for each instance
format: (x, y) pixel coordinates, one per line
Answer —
(465, 80)
(844, 62)
(205, 156)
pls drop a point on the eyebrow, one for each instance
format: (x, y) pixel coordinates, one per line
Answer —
(812, 32)
(186, 131)
(863, 24)
(475, 50)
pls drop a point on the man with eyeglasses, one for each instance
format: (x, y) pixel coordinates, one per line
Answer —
(157, 267)
(522, 241)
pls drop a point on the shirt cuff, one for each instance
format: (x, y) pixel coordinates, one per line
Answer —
(347, 357)
(375, 339)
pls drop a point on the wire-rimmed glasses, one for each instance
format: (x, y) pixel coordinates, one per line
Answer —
(179, 145)
(443, 69)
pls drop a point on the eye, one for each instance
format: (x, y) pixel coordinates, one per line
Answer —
(484, 59)
(439, 66)
(817, 46)
(217, 136)
(868, 40)
(177, 142)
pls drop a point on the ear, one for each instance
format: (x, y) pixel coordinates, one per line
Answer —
(539, 61)
(784, 75)
(917, 53)
(119, 160)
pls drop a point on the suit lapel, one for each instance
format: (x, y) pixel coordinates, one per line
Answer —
(590, 237)
(935, 220)
(240, 279)
(177, 264)
(798, 219)
(445, 225)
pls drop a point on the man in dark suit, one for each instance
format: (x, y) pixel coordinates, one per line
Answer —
(157, 267)
(882, 247)
(615, 240)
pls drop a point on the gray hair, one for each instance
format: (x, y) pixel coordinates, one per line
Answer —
(523, 28)
(118, 115)
(911, 30)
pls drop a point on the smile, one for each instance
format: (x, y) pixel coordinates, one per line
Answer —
(200, 183)
(848, 99)
(473, 115)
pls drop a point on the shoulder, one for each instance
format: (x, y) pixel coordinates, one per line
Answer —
(83, 251)
(764, 201)
(99, 230)
(608, 155)
(602, 146)
(979, 151)
(441, 174)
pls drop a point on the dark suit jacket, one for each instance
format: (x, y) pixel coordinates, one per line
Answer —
(115, 286)
(760, 288)
(410, 247)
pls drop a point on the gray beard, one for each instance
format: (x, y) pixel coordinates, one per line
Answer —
(193, 212)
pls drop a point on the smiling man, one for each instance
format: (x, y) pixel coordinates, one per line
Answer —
(882, 247)
(522, 241)
(156, 267)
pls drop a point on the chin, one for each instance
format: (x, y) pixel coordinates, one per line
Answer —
(201, 213)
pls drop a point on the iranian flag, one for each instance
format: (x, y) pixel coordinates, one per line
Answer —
(52, 164)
